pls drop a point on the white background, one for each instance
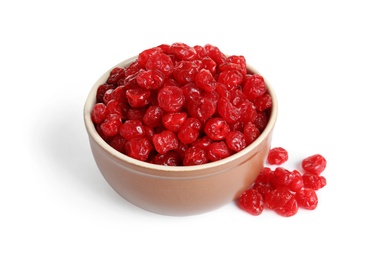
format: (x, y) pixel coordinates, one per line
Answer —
(328, 61)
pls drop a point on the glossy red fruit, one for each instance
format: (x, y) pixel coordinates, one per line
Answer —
(160, 62)
(277, 198)
(235, 140)
(174, 121)
(171, 98)
(196, 93)
(216, 129)
(195, 156)
(217, 151)
(290, 208)
(139, 148)
(165, 141)
(313, 181)
(99, 113)
(131, 129)
(251, 201)
(307, 198)
(254, 87)
(314, 164)
(289, 179)
(277, 156)
(189, 132)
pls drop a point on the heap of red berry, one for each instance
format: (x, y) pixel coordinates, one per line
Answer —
(282, 190)
(181, 105)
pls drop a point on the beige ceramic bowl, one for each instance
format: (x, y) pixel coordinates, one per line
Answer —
(178, 190)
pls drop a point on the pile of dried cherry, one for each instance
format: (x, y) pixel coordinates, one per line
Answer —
(285, 191)
(179, 105)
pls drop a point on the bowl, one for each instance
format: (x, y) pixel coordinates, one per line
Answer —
(178, 190)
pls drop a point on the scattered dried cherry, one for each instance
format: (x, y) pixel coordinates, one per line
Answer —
(286, 191)
(277, 156)
(313, 181)
(252, 202)
(307, 198)
(314, 164)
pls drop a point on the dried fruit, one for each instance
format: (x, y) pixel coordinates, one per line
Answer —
(251, 201)
(277, 156)
(314, 164)
(286, 191)
(185, 105)
(307, 198)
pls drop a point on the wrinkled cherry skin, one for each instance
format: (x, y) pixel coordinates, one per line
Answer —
(160, 62)
(131, 129)
(171, 98)
(314, 164)
(235, 141)
(289, 179)
(290, 208)
(251, 201)
(139, 148)
(217, 151)
(286, 191)
(277, 156)
(165, 141)
(194, 156)
(189, 132)
(307, 198)
(216, 129)
(277, 198)
(184, 105)
(174, 121)
(313, 181)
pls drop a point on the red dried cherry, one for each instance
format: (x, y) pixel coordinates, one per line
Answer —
(150, 79)
(217, 151)
(131, 129)
(201, 108)
(227, 110)
(216, 128)
(277, 156)
(165, 141)
(153, 116)
(251, 201)
(289, 209)
(254, 86)
(277, 198)
(171, 158)
(205, 80)
(307, 198)
(185, 71)
(99, 113)
(314, 164)
(138, 97)
(189, 132)
(174, 121)
(194, 156)
(313, 181)
(251, 132)
(139, 148)
(289, 179)
(115, 75)
(235, 141)
(160, 62)
(170, 98)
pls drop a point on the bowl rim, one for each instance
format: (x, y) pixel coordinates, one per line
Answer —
(90, 127)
